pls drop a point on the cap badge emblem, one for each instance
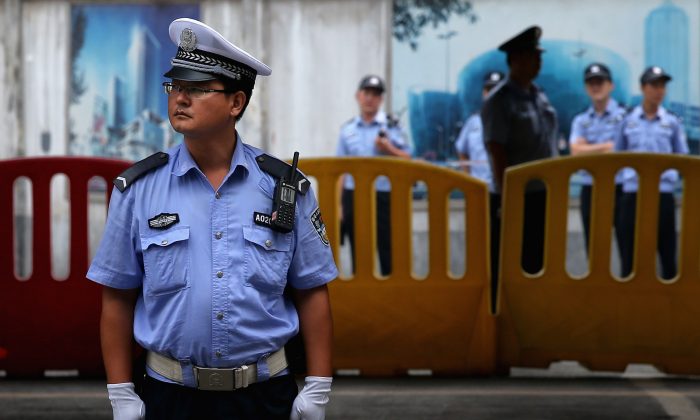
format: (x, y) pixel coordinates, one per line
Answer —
(188, 40)
(656, 70)
(595, 69)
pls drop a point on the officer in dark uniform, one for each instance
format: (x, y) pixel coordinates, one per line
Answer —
(650, 128)
(201, 243)
(594, 131)
(372, 133)
(520, 125)
(470, 145)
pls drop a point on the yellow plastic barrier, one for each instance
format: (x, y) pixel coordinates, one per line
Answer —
(599, 320)
(386, 327)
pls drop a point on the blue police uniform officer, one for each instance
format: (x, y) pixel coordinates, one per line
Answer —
(594, 131)
(470, 142)
(520, 125)
(372, 133)
(649, 127)
(195, 258)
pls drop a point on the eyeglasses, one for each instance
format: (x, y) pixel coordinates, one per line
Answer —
(191, 91)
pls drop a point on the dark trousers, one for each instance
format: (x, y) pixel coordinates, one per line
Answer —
(585, 205)
(666, 234)
(270, 399)
(533, 234)
(383, 227)
(533, 231)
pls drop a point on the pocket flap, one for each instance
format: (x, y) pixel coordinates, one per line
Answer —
(267, 238)
(166, 238)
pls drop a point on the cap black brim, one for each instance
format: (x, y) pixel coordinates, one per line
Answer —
(597, 76)
(180, 73)
(664, 77)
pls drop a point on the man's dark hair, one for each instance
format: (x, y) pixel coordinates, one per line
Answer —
(234, 86)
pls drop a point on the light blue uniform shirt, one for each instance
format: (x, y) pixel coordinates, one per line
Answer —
(597, 128)
(213, 282)
(357, 139)
(471, 143)
(662, 134)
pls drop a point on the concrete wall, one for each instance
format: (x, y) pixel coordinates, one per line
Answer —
(318, 51)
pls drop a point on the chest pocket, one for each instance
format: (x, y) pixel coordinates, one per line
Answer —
(634, 133)
(267, 259)
(166, 261)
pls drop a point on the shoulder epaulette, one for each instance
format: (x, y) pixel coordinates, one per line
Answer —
(280, 169)
(138, 169)
(391, 121)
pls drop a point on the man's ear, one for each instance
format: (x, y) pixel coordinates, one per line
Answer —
(237, 103)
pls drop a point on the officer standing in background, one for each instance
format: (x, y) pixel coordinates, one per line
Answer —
(470, 142)
(372, 133)
(470, 145)
(649, 127)
(520, 125)
(594, 131)
(195, 262)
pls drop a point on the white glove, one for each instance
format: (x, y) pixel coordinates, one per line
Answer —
(311, 402)
(126, 405)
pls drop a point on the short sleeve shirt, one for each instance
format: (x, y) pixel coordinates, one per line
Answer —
(470, 142)
(357, 138)
(597, 128)
(662, 134)
(524, 122)
(213, 279)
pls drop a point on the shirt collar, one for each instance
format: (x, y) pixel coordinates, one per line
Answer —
(184, 161)
(609, 108)
(379, 118)
(661, 113)
(533, 91)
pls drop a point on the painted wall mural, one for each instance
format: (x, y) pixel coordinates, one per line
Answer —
(118, 56)
(437, 85)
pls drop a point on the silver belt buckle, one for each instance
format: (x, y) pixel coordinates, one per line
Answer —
(214, 379)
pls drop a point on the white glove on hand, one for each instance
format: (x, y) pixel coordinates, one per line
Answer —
(126, 405)
(311, 402)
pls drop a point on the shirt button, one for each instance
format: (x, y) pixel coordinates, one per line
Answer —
(268, 243)
(219, 274)
(220, 316)
(164, 242)
(217, 195)
(218, 353)
(218, 235)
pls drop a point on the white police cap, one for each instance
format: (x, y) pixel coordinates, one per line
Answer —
(203, 54)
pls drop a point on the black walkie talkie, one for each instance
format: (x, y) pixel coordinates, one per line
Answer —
(285, 200)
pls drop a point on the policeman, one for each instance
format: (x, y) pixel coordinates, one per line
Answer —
(470, 145)
(372, 133)
(593, 131)
(649, 127)
(470, 142)
(194, 268)
(520, 126)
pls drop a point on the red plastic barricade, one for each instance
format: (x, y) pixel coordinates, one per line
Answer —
(46, 324)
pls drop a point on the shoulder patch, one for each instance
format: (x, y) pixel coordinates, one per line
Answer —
(320, 227)
(138, 169)
(280, 169)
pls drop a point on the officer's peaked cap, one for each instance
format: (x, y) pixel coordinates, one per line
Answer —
(527, 40)
(492, 78)
(597, 70)
(371, 82)
(654, 73)
(204, 54)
